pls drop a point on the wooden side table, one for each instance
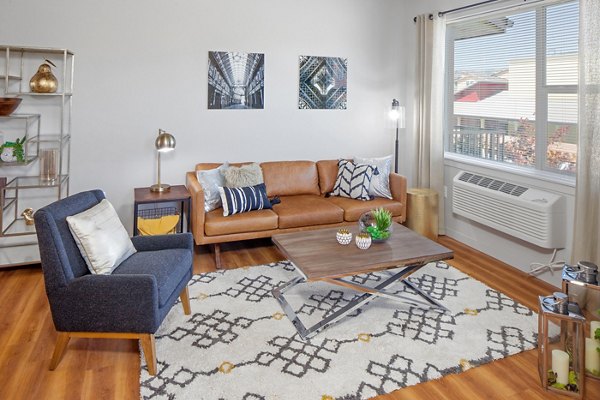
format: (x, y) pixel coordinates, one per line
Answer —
(422, 212)
(177, 194)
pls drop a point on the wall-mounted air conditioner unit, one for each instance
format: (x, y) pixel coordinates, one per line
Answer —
(529, 214)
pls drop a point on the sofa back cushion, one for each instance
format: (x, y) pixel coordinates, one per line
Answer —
(205, 166)
(288, 178)
(244, 176)
(328, 170)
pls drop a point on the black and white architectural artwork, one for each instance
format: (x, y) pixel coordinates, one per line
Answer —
(236, 80)
(323, 83)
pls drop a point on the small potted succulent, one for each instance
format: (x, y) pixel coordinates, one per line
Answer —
(377, 223)
(363, 240)
(343, 236)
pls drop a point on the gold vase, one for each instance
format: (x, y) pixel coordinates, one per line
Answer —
(44, 80)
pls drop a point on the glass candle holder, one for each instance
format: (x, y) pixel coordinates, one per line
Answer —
(48, 165)
(560, 346)
(580, 283)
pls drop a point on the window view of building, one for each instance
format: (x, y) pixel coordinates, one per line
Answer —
(512, 91)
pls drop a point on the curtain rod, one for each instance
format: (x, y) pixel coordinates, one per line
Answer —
(430, 18)
(481, 3)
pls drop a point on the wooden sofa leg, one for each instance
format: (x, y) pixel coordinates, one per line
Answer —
(185, 301)
(59, 349)
(217, 248)
(149, 347)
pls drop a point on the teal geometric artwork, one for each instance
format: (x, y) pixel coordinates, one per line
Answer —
(323, 83)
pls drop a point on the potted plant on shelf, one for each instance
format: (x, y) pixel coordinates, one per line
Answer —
(13, 151)
(377, 223)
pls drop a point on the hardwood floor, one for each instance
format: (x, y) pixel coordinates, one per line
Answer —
(109, 369)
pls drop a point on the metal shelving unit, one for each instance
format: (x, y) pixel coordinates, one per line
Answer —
(46, 124)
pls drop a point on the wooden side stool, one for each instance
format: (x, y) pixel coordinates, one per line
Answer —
(422, 212)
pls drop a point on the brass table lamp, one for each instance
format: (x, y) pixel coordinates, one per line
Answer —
(164, 143)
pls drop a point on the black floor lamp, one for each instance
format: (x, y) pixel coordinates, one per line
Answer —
(397, 114)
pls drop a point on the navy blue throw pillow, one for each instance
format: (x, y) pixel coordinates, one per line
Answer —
(242, 199)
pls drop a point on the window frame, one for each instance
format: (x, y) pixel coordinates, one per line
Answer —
(540, 168)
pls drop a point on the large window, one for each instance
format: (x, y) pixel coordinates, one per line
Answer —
(512, 87)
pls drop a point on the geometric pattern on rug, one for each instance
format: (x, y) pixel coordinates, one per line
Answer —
(239, 345)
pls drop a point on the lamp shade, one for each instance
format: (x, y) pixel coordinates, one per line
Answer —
(397, 113)
(164, 141)
(394, 112)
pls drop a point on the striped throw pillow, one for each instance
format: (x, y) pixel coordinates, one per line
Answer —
(243, 199)
(353, 180)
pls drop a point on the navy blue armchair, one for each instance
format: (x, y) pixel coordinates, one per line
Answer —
(130, 303)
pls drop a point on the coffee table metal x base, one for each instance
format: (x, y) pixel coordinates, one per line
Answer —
(369, 292)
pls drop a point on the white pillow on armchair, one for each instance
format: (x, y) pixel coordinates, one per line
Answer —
(101, 238)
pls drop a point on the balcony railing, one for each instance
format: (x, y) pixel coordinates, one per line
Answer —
(499, 145)
(482, 143)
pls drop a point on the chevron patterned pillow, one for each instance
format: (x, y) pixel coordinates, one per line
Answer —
(353, 180)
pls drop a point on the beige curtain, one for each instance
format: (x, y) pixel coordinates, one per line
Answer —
(586, 237)
(429, 108)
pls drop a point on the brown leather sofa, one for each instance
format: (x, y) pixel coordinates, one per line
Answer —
(301, 186)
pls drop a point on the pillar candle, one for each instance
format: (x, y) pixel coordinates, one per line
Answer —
(560, 366)
(593, 326)
(592, 356)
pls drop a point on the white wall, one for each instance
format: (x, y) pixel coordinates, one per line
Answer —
(142, 65)
(501, 246)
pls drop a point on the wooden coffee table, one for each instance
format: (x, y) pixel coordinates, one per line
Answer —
(317, 256)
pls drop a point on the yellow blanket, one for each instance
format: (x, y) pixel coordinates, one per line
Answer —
(158, 226)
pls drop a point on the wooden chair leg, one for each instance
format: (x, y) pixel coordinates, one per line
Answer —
(185, 301)
(217, 248)
(59, 349)
(149, 347)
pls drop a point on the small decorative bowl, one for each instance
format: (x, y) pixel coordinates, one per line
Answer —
(8, 105)
(363, 241)
(343, 236)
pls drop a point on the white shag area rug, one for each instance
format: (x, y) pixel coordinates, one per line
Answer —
(239, 345)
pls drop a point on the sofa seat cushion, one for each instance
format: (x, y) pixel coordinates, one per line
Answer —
(252, 221)
(169, 267)
(353, 209)
(307, 210)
